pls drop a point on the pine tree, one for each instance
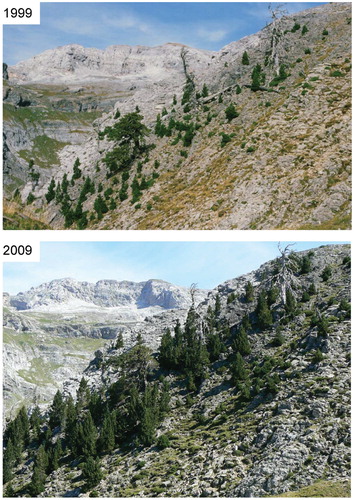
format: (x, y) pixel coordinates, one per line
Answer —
(77, 170)
(39, 472)
(238, 370)
(290, 303)
(35, 422)
(231, 112)
(241, 343)
(258, 78)
(249, 297)
(88, 435)
(119, 342)
(56, 411)
(264, 315)
(50, 195)
(92, 473)
(205, 91)
(245, 59)
(106, 440)
(8, 462)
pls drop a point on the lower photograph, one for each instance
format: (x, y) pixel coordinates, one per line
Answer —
(178, 369)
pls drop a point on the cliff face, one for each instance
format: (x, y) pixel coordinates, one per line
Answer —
(282, 161)
(279, 422)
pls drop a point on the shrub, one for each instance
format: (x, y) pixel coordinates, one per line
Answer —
(225, 138)
(326, 273)
(307, 50)
(295, 28)
(163, 442)
(325, 32)
(317, 357)
(231, 112)
(304, 30)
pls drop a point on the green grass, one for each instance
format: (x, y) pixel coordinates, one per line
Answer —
(44, 152)
(322, 489)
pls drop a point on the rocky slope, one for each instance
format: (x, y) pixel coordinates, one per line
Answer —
(52, 331)
(281, 425)
(282, 162)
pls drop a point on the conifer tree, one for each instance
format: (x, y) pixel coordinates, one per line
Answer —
(238, 370)
(39, 472)
(92, 472)
(241, 343)
(249, 297)
(8, 462)
(50, 195)
(106, 441)
(56, 411)
(245, 59)
(88, 435)
(264, 315)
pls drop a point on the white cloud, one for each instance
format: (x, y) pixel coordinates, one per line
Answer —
(212, 35)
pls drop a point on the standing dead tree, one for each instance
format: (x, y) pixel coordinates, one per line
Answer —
(284, 273)
(277, 14)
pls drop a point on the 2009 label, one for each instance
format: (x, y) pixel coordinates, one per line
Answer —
(17, 250)
(18, 12)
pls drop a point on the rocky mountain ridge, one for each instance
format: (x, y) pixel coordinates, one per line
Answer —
(281, 161)
(52, 331)
(105, 293)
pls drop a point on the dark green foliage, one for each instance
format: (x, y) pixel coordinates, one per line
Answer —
(56, 411)
(120, 158)
(305, 264)
(35, 423)
(119, 342)
(50, 195)
(272, 295)
(307, 50)
(245, 59)
(100, 206)
(326, 273)
(9, 459)
(346, 261)
(231, 112)
(264, 315)
(305, 296)
(312, 289)
(238, 370)
(231, 297)
(128, 130)
(91, 471)
(205, 91)
(106, 441)
(163, 442)
(304, 29)
(188, 136)
(322, 324)
(238, 89)
(290, 303)
(325, 32)
(30, 198)
(217, 306)
(280, 77)
(295, 28)
(278, 339)
(272, 383)
(88, 435)
(54, 455)
(77, 171)
(188, 91)
(249, 295)
(39, 475)
(215, 346)
(317, 357)
(258, 78)
(225, 138)
(241, 343)
(220, 100)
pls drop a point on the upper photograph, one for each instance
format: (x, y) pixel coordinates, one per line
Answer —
(178, 116)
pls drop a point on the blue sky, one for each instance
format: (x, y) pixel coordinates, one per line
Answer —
(206, 263)
(202, 25)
